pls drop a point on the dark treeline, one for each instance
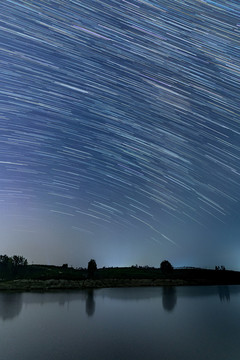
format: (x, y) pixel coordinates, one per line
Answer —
(12, 266)
(16, 267)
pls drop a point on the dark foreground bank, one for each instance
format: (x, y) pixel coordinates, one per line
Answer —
(61, 284)
(48, 277)
(53, 284)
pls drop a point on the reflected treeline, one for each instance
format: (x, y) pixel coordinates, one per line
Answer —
(224, 293)
(169, 298)
(10, 305)
(90, 302)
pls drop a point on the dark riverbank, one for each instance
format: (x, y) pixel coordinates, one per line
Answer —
(50, 277)
(61, 284)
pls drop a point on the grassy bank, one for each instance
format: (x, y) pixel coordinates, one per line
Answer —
(52, 284)
(47, 278)
(63, 284)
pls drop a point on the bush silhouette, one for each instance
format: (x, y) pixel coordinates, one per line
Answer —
(166, 267)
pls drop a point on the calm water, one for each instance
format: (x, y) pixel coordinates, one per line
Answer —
(126, 323)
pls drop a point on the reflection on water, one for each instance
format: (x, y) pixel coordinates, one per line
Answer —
(10, 305)
(169, 298)
(90, 303)
(224, 293)
(148, 323)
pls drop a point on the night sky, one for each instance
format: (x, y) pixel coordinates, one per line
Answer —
(120, 131)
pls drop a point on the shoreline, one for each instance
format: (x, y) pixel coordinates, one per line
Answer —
(52, 284)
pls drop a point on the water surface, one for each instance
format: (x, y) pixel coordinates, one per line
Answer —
(122, 323)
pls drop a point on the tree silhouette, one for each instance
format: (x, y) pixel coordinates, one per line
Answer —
(92, 267)
(19, 261)
(10, 266)
(166, 267)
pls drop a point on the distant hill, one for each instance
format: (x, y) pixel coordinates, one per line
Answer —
(187, 275)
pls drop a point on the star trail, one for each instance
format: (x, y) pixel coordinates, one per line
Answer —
(120, 131)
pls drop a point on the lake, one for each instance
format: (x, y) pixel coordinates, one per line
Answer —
(163, 323)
